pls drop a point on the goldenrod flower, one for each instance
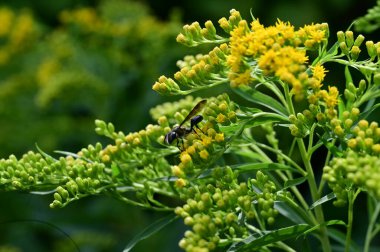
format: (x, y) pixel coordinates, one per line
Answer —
(219, 137)
(331, 98)
(6, 19)
(180, 182)
(204, 154)
(185, 157)
(319, 72)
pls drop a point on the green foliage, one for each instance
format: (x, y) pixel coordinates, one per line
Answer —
(95, 64)
(369, 22)
(230, 179)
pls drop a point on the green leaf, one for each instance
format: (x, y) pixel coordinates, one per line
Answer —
(256, 120)
(294, 182)
(341, 107)
(45, 155)
(256, 241)
(347, 75)
(150, 230)
(247, 167)
(365, 114)
(322, 200)
(74, 155)
(292, 212)
(43, 192)
(115, 170)
(327, 223)
(326, 140)
(255, 96)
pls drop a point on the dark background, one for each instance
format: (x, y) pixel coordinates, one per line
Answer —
(103, 224)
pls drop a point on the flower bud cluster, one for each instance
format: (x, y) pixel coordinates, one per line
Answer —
(348, 45)
(233, 21)
(353, 93)
(213, 211)
(71, 178)
(373, 49)
(323, 112)
(300, 123)
(365, 138)
(195, 73)
(265, 195)
(23, 174)
(138, 156)
(194, 34)
(204, 146)
(355, 170)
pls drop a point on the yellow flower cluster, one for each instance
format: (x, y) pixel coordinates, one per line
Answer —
(89, 20)
(198, 148)
(195, 72)
(278, 51)
(86, 18)
(17, 30)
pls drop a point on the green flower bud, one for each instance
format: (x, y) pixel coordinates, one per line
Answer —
(344, 48)
(199, 228)
(231, 218)
(341, 37)
(355, 51)
(189, 221)
(351, 87)
(211, 30)
(371, 49)
(355, 112)
(57, 197)
(359, 40)
(376, 79)
(362, 86)
(349, 38)
(348, 123)
(55, 204)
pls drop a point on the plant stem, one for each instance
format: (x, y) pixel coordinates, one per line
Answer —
(350, 218)
(372, 222)
(314, 194)
(310, 177)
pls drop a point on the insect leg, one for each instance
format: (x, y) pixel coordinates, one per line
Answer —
(182, 143)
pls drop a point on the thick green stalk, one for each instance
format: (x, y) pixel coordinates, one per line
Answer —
(372, 222)
(349, 220)
(310, 177)
(314, 194)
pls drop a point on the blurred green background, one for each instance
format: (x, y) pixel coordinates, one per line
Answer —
(65, 63)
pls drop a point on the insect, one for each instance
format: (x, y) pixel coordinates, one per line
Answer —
(179, 132)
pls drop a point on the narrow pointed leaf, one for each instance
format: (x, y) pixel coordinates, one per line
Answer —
(294, 182)
(327, 223)
(44, 154)
(255, 96)
(365, 114)
(322, 200)
(256, 241)
(262, 166)
(254, 121)
(291, 212)
(150, 230)
(347, 75)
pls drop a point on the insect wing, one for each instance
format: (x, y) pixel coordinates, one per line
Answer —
(194, 111)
